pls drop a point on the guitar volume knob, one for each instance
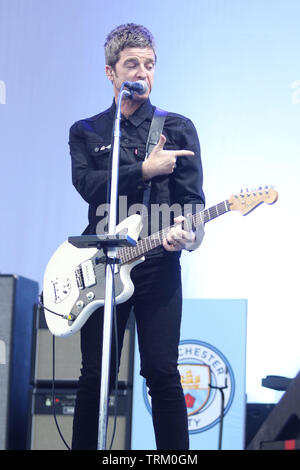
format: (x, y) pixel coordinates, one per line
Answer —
(90, 295)
(79, 304)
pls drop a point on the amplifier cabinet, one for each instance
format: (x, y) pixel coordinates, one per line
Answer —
(68, 354)
(44, 434)
(18, 296)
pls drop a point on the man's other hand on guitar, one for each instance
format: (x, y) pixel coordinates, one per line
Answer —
(182, 237)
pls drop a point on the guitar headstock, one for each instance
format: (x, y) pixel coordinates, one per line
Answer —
(246, 201)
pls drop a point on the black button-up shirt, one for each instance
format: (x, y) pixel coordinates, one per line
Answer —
(90, 148)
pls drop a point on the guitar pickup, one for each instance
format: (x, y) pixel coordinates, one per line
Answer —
(88, 274)
(79, 278)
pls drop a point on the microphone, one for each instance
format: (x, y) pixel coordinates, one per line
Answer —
(140, 87)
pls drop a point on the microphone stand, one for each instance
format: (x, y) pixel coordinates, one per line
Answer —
(110, 268)
(110, 242)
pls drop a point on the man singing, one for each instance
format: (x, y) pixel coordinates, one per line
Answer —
(173, 174)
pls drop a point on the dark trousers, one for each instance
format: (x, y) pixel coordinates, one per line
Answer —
(157, 303)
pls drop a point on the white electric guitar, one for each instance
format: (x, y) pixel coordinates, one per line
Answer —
(74, 281)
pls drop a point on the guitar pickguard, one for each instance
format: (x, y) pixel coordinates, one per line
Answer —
(88, 294)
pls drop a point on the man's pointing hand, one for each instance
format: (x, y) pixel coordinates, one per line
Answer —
(160, 161)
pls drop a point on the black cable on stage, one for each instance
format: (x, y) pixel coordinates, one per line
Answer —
(53, 394)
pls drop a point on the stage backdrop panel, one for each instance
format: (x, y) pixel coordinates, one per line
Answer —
(212, 361)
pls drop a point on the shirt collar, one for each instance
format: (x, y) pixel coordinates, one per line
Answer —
(140, 115)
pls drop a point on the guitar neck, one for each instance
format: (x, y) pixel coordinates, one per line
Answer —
(209, 214)
(128, 254)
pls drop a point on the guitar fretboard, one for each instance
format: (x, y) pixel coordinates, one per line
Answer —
(128, 254)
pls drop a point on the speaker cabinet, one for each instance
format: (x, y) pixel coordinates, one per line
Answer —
(68, 354)
(17, 298)
(43, 433)
(281, 429)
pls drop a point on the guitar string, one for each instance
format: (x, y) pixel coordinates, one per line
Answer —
(127, 254)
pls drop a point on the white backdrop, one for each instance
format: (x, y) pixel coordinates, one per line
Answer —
(232, 66)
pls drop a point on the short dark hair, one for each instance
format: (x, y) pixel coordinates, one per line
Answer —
(126, 35)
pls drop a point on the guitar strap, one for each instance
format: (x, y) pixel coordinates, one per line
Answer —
(155, 131)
